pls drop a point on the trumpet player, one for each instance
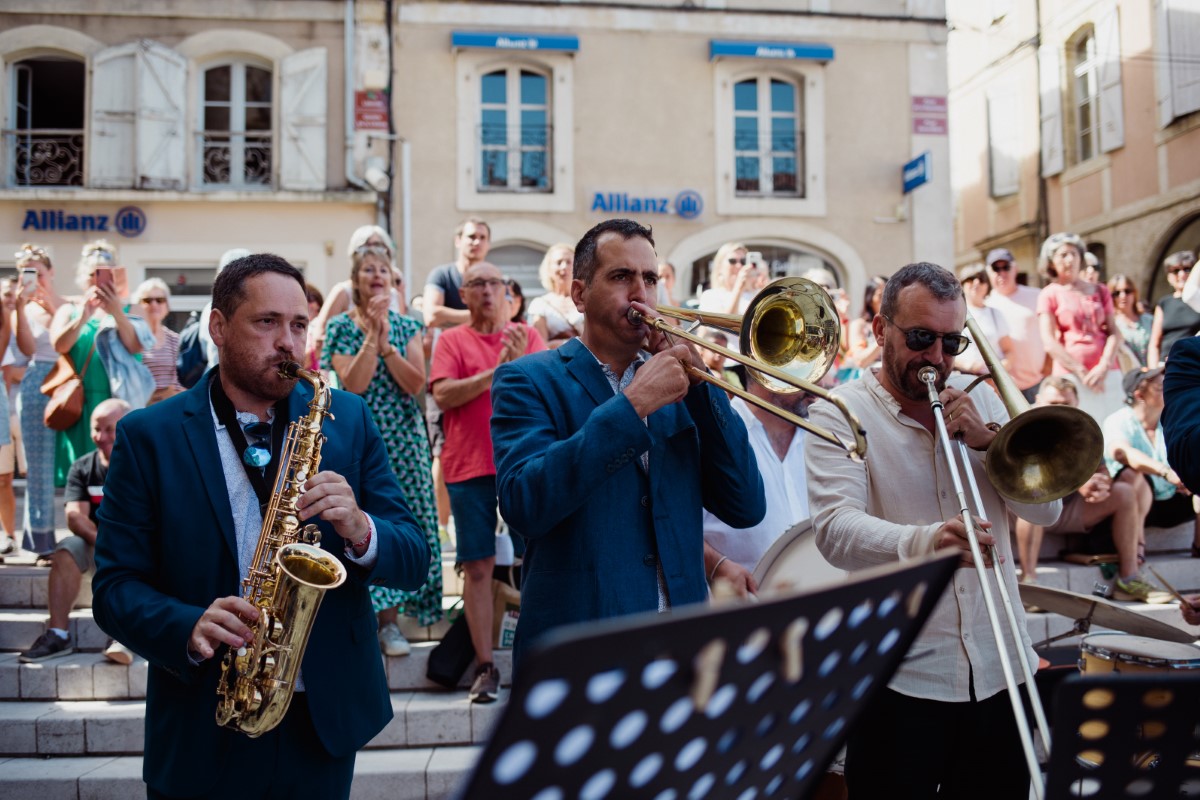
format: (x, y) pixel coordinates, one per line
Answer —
(945, 710)
(179, 526)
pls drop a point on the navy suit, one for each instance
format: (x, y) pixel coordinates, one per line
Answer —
(1181, 417)
(597, 526)
(166, 549)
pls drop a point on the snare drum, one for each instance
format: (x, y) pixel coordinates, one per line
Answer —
(794, 564)
(1123, 652)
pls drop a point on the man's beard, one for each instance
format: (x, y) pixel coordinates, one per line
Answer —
(913, 387)
(261, 380)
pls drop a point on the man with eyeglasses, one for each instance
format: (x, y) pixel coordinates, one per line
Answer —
(946, 703)
(460, 380)
(1018, 305)
(178, 529)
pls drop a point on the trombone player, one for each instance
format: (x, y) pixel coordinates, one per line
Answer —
(944, 713)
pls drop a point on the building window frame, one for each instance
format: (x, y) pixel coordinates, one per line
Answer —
(559, 192)
(1083, 67)
(809, 198)
(42, 157)
(509, 133)
(772, 136)
(240, 142)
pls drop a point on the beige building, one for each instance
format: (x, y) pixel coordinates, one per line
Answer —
(1081, 119)
(179, 130)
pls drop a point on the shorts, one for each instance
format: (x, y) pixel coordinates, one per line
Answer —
(473, 503)
(83, 553)
(1175, 510)
(433, 424)
(1071, 519)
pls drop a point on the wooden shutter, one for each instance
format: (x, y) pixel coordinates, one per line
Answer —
(1050, 88)
(1112, 105)
(1003, 162)
(111, 136)
(161, 93)
(302, 120)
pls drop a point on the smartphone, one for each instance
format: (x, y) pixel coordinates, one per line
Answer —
(754, 261)
(104, 277)
(28, 281)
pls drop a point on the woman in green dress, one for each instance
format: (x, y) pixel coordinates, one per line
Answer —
(73, 332)
(378, 354)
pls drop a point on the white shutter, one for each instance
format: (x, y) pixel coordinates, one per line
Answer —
(302, 118)
(161, 93)
(1183, 28)
(1112, 105)
(111, 136)
(1049, 86)
(1003, 164)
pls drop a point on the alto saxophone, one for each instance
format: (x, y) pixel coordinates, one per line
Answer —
(287, 580)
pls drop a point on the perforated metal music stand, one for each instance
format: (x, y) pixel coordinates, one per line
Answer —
(748, 700)
(1124, 736)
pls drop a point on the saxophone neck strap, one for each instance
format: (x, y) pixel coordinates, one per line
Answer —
(260, 479)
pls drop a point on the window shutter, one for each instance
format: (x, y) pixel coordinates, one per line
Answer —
(1112, 106)
(1183, 56)
(114, 111)
(302, 117)
(1049, 86)
(161, 89)
(1003, 164)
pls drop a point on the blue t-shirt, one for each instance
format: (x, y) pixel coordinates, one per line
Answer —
(1122, 425)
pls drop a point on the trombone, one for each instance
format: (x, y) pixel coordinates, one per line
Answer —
(790, 331)
(1041, 455)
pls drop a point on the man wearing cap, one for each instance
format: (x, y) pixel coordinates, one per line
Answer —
(1018, 305)
(1133, 439)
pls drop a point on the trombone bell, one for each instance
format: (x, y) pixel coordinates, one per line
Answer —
(791, 325)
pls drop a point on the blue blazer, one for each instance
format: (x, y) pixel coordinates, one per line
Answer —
(597, 526)
(166, 549)
(1181, 417)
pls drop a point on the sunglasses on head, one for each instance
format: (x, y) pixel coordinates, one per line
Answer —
(919, 339)
(373, 250)
(257, 454)
(1001, 266)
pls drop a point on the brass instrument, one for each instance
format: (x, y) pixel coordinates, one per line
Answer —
(1041, 455)
(790, 332)
(287, 580)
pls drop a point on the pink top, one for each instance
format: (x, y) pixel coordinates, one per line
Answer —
(460, 353)
(1079, 320)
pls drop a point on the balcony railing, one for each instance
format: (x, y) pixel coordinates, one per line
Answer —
(231, 158)
(44, 157)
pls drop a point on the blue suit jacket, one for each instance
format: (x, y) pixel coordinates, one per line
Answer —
(166, 549)
(570, 481)
(1181, 417)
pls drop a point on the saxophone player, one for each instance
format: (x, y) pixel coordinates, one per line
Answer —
(179, 525)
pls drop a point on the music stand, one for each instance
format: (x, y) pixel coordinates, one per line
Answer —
(1123, 735)
(736, 701)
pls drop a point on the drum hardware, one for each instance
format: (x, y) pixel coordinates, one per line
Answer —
(1087, 610)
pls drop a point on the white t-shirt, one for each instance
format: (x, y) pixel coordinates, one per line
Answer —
(1028, 355)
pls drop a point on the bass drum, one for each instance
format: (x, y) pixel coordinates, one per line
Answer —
(794, 564)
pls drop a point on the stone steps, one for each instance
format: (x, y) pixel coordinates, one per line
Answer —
(419, 773)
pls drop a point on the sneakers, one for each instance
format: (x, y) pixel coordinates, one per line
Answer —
(486, 685)
(48, 645)
(118, 653)
(1133, 589)
(392, 641)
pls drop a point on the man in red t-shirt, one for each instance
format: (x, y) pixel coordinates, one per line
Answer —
(461, 381)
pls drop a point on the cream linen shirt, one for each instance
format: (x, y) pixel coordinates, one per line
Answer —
(889, 509)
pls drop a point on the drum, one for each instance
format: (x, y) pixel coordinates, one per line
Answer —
(1123, 652)
(794, 564)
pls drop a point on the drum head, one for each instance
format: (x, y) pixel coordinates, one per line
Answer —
(1142, 648)
(794, 564)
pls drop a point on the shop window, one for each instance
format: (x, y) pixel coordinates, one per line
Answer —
(768, 137)
(236, 139)
(45, 143)
(515, 138)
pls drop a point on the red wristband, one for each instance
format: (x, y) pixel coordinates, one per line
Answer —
(362, 545)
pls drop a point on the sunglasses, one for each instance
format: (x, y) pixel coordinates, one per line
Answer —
(154, 300)
(1001, 266)
(736, 261)
(1180, 270)
(257, 454)
(1119, 292)
(918, 339)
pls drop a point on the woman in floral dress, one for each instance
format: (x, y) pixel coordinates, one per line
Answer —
(378, 354)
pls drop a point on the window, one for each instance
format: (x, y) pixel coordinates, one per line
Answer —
(45, 144)
(236, 140)
(514, 131)
(1085, 89)
(1177, 58)
(767, 137)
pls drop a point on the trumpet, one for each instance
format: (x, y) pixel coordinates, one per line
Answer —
(791, 331)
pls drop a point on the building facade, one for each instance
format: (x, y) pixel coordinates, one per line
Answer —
(1082, 117)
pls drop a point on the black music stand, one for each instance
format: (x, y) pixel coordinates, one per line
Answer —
(736, 701)
(1124, 736)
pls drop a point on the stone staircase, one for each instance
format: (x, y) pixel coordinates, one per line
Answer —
(72, 727)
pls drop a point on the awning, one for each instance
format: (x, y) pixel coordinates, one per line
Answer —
(558, 43)
(792, 51)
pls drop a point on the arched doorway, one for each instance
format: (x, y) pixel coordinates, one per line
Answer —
(1185, 237)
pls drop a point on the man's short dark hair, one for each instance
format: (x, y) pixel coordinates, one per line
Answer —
(229, 287)
(940, 282)
(477, 222)
(585, 251)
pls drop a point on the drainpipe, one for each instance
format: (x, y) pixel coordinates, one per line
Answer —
(348, 95)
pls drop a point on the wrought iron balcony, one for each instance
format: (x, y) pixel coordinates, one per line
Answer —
(234, 158)
(44, 157)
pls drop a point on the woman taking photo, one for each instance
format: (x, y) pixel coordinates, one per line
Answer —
(377, 353)
(976, 288)
(152, 300)
(1079, 327)
(37, 302)
(79, 329)
(554, 314)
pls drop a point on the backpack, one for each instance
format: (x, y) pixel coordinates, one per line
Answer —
(192, 361)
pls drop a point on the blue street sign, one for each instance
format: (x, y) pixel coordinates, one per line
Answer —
(917, 171)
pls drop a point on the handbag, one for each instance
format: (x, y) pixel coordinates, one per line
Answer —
(450, 659)
(65, 390)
